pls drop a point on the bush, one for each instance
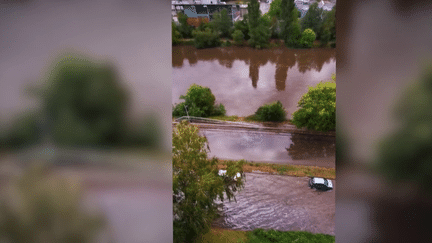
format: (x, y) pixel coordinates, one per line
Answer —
(200, 102)
(85, 103)
(243, 27)
(41, 208)
(238, 37)
(260, 36)
(307, 38)
(184, 28)
(206, 38)
(197, 184)
(271, 112)
(317, 108)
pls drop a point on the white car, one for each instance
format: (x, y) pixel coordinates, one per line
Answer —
(223, 172)
(321, 184)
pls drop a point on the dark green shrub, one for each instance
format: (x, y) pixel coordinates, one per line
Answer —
(243, 27)
(317, 108)
(271, 112)
(238, 37)
(179, 110)
(205, 39)
(260, 36)
(222, 23)
(200, 102)
(219, 110)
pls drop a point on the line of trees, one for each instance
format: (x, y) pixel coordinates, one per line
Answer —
(280, 22)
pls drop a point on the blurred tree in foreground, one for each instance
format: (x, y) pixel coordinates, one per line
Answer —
(44, 209)
(407, 153)
(85, 103)
(197, 183)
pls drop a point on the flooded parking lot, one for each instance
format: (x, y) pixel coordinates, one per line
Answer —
(282, 203)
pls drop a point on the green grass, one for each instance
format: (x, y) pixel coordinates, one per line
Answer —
(264, 236)
(225, 118)
(281, 169)
(217, 235)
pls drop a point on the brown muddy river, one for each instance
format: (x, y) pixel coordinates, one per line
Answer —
(243, 78)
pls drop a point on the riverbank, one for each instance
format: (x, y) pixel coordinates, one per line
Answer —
(243, 123)
(273, 44)
(289, 170)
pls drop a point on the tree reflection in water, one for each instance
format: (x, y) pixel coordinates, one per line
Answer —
(307, 146)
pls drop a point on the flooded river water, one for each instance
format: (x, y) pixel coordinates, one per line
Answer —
(243, 78)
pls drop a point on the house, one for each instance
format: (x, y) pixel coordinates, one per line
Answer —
(203, 9)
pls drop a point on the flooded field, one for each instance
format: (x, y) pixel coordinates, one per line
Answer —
(282, 203)
(284, 148)
(243, 78)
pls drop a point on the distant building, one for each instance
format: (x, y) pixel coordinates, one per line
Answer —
(204, 9)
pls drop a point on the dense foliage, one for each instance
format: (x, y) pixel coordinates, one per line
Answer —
(238, 37)
(317, 108)
(243, 26)
(312, 19)
(405, 154)
(24, 131)
(206, 38)
(223, 23)
(290, 26)
(200, 102)
(259, 27)
(267, 236)
(307, 39)
(328, 27)
(197, 184)
(41, 208)
(175, 34)
(184, 28)
(271, 112)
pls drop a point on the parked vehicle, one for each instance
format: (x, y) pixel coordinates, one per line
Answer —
(321, 184)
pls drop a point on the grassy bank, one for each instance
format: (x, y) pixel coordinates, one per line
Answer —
(273, 43)
(290, 170)
(217, 235)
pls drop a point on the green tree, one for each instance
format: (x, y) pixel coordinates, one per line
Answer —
(243, 26)
(307, 39)
(85, 103)
(290, 26)
(238, 37)
(254, 14)
(275, 9)
(207, 38)
(405, 154)
(184, 28)
(200, 102)
(328, 27)
(197, 183)
(175, 34)
(317, 108)
(312, 19)
(223, 23)
(259, 36)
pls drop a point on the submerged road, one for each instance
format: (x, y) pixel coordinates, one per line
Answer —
(283, 144)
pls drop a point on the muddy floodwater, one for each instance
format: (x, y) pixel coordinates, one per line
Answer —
(282, 203)
(283, 148)
(243, 78)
